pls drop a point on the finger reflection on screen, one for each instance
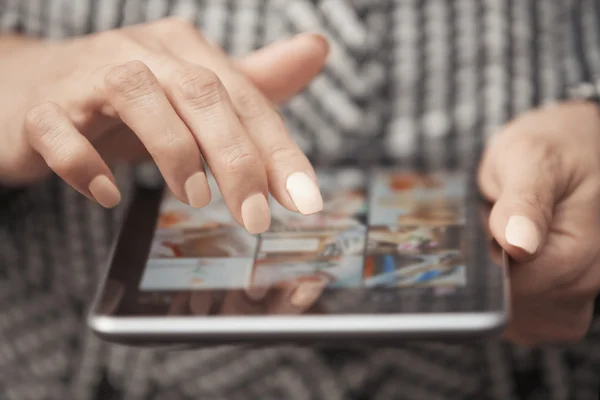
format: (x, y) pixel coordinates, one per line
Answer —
(201, 302)
(238, 302)
(179, 304)
(306, 294)
(290, 297)
(299, 294)
(257, 293)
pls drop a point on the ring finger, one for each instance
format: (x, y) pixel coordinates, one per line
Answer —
(204, 105)
(291, 178)
(69, 154)
(135, 94)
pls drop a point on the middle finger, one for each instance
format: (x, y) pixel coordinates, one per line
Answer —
(204, 105)
(135, 94)
(291, 178)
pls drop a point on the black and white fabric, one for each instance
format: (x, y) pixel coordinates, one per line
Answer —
(416, 82)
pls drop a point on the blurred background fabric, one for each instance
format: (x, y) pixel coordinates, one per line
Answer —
(409, 81)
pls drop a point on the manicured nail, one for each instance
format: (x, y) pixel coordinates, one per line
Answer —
(104, 191)
(521, 232)
(197, 190)
(304, 193)
(256, 214)
(314, 35)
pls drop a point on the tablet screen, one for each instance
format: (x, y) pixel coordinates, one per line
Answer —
(385, 229)
(382, 234)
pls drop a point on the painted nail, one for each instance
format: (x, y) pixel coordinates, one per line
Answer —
(521, 232)
(105, 191)
(256, 214)
(315, 36)
(304, 193)
(197, 190)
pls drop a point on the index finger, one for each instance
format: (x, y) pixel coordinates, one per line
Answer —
(291, 178)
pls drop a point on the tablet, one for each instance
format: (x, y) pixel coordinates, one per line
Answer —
(395, 254)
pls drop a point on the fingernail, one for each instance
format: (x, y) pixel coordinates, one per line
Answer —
(197, 191)
(104, 191)
(322, 39)
(304, 193)
(256, 214)
(314, 35)
(521, 232)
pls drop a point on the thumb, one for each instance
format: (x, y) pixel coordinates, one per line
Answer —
(527, 191)
(283, 69)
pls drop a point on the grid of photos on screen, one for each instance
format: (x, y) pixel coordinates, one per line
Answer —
(415, 231)
(326, 248)
(196, 249)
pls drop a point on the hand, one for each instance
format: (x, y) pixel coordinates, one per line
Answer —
(160, 89)
(542, 172)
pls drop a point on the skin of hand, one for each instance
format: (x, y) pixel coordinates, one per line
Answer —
(160, 90)
(542, 175)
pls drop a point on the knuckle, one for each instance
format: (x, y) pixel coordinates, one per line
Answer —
(174, 142)
(42, 120)
(173, 147)
(539, 149)
(66, 159)
(547, 153)
(282, 154)
(537, 203)
(237, 157)
(531, 200)
(112, 42)
(530, 144)
(201, 88)
(131, 80)
(175, 25)
(250, 104)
